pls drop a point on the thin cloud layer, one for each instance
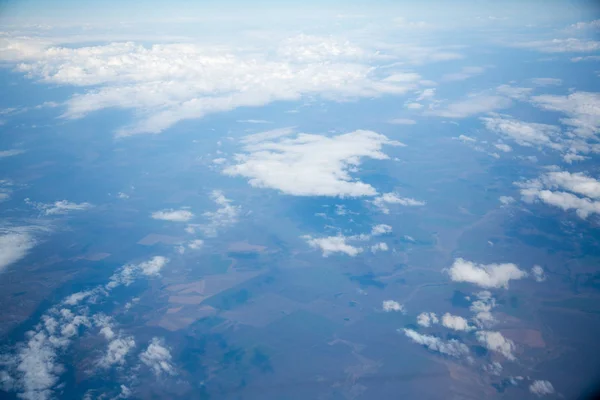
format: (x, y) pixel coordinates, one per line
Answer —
(59, 207)
(486, 276)
(311, 165)
(168, 83)
(386, 199)
(14, 245)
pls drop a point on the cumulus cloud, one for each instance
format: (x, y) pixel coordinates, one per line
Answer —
(482, 307)
(224, 216)
(381, 246)
(158, 358)
(494, 368)
(486, 276)
(333, 244)
(59, 207)
(451, 347)
(173, 215)
(455, 322)
(14, 245)
(392, 305)
(506, 200)
(382, 202)
(472, 105)
(426, 319)
(117, 351)
(503, 147)
(127, 274)
(565, 190)
(524, 133)
(541, 388)
(496, 342)
(538, 273)
(311, 165)
(381, 229)
(168, 83)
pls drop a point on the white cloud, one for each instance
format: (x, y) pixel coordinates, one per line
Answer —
(494, 368)
(225, 216)
(14, 245)
(583, 197)
(496, 342)
(503, 147)
(426, 94)
(158, 358)
(59, 207)
(569, 45)
(332, 244)
(168, 83)
(538, 273)
(546, 81)
(595, 24)
(414, 106)
(173, 215)
(117, 351)
(582, 110)
(514, 92)
(524, 133)
(541, 388)
(196, 244)
(506, 200)
(472, 105)
(427, 319)
(452, 347)
(585, 58)
(311, 165)
(402, 121)
(455, 322)
(126, 274)
(391, 305)
(482, 308)
(10, 153)
(381, 246)
(486, 276)
(381, 229)
(465, 73)
(219, 161)
(385, 199)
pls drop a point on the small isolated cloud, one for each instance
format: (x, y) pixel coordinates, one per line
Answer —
(503, 147)
(59, 207)
(494, 368)
(381, 246)
(538, 273)
(452, 347)
(311, 165)
(158, 358)
(456, 322)
(382, 202)
(546, 81)
(565, 190)
(381, 229)
(482, 307)
(173, 215)
(196, 244)
(466, 139)
(127, 274)
(496, 342)
(473, 105)
(14, 245)
(464, 73)
(506, 200)
(332, 244)
(219, 161)
(414, 106)
(225, 216)
(541, 388)
(391, 305)
(10, 153)
(426, 319)
(402, 121)
(486, 276)
(117, 351)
